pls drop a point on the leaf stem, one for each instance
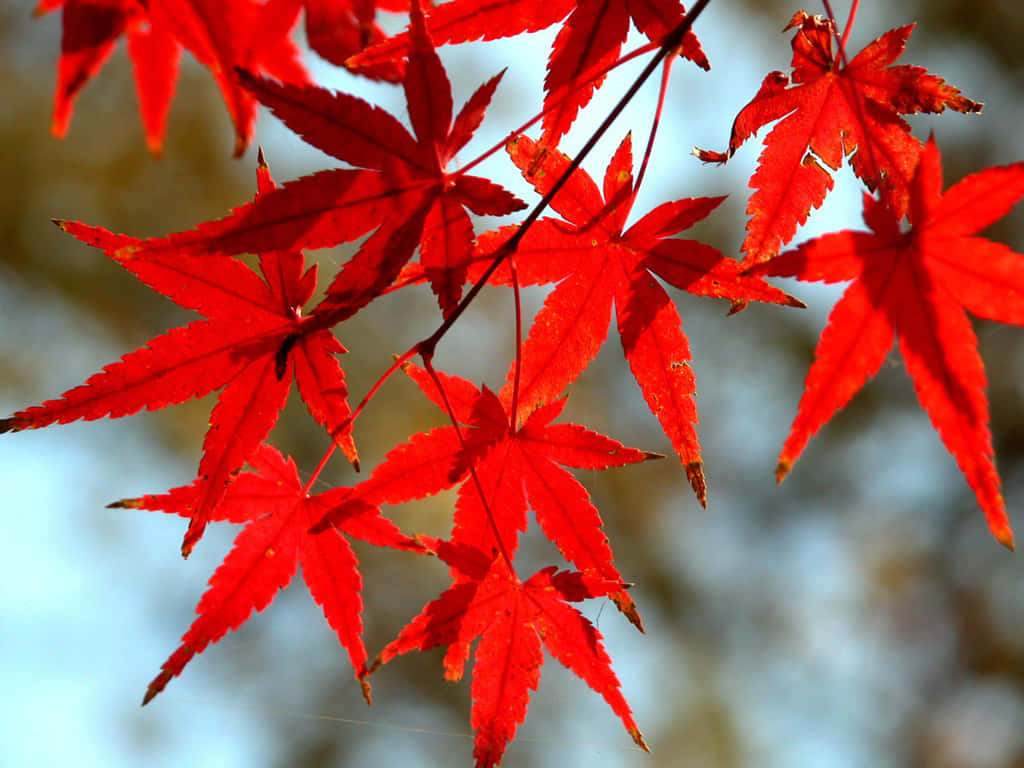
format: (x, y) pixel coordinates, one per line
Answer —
(654, 126)
(428, 366)
(517, 375)
(849, 24)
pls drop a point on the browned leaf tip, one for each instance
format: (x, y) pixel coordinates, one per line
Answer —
(125, 504)
(629, 610)
(710, 156)
(638, 738)
(695, 474)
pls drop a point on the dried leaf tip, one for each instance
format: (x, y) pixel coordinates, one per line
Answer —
(638, 739)
(125, 504)
(782, 469)
(261, 160)
(695, 474)
(367, 691)
(710, 156)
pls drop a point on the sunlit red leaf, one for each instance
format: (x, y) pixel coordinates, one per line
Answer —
(915, 286)
(829, 112)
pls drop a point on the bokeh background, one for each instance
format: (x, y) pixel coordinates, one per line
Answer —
(858, 615)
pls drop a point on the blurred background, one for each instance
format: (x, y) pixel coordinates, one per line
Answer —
(858, 615)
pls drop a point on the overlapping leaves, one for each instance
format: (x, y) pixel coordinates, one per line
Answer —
(504, 451)
(831, 110)
(277, 513)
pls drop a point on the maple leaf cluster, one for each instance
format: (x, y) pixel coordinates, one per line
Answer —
(504, 452)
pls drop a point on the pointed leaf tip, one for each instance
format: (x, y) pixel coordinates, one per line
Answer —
(695, 474)
(633, 616)
(125, 504)
(781, 470)
(367, 691)
(638, 739)
(1004, 536)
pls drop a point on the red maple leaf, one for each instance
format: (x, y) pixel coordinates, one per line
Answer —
(400, 186)
(221, 34)
(830, 111)
(512, 619)
(515, 465)
(252, 343)
(916, 285)
(278, 513)
(588, 43)
(597, 262)
(339, 29)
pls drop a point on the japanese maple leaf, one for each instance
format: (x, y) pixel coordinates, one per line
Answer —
(597, 262)
(221, 34)
(339, 29)
(400, 186)
(277, 513)
(588, 43)
(916, 285)
(512, 619)
(515, 465)
(828, 112)
(254, 340)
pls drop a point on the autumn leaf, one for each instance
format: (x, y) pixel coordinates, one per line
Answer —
(515, 466)
(339, 29)
(916, 285)
(598, 262)
(829, 111)
(277, 513)
(512, 619)
(253, 342)
(221, 34)
(587, 44)
(399, 187)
